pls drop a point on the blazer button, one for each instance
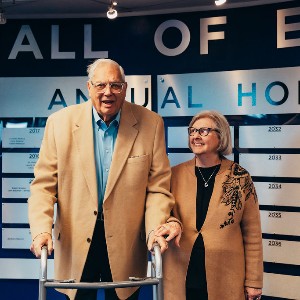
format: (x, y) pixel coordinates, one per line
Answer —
(88, 240)
(95, 212)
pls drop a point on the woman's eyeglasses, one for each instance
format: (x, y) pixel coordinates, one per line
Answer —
(203, 131)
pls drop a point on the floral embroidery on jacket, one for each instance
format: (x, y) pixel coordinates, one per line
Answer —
(237, 184)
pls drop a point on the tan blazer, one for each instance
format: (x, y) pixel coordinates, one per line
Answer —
(231, 233)
(137, 197)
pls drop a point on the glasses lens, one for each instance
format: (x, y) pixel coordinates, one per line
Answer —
(191, 130)
(204, 131)
(116, 87)
(100, 86)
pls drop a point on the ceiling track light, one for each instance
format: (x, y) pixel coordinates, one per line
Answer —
(2, 18)
(220, 2)
(2, 14)
(112, 12)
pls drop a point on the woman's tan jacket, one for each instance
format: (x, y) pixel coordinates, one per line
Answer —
(231, 233)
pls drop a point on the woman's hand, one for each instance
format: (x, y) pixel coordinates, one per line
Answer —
(163, 244)
(163, 234)
(170, 230)
(252, 293)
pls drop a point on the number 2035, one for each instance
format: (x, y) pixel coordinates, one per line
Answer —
(274, 214)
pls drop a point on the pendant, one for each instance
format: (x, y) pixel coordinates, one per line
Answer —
(206, 184)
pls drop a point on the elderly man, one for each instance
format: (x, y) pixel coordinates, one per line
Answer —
(104, 163)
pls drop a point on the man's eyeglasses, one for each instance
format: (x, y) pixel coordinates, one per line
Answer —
(203, 131)
(115, 87)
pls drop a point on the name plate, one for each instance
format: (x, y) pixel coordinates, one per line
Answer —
(178, 158)
(283, 136)
(16, 187)
(18, 213)
(16, 238)
(280, 251)
(280, 222)
(22, 137)
(178, 136)
(271, 165)
(15, 213)
(278, 193)
(281, 286)
(20, 268)
(19, 162)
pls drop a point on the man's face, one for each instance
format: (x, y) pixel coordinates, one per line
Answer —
(107, 102)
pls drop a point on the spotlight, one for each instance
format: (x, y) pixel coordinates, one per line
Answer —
(112, 12)
(220, 2)
(2, 14)
(2, 18)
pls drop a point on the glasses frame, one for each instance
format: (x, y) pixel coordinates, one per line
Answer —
(96, 86)
(203, 131)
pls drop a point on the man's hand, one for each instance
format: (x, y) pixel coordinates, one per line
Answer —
(163, 244)
(170, 230)
(43, 239)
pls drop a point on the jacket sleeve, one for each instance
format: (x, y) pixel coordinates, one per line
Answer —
(44, 186)
(159, 200)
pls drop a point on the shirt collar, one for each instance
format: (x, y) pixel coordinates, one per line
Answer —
(100, 123)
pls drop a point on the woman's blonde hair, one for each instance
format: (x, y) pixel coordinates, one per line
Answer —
(225, 146)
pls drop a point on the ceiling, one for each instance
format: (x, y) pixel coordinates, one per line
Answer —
(32, 9)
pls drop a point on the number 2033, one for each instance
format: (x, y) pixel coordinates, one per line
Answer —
(274, 243)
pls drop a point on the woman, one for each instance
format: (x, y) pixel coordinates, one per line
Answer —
(220, 253)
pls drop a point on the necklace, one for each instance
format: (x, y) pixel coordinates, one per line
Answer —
(206, 181)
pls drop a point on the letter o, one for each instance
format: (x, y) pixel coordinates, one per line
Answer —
(285, 90)
(186, 37)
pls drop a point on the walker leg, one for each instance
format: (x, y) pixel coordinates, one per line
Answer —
(154, 287)
(160, 290)
(42, 290)
(43, 274)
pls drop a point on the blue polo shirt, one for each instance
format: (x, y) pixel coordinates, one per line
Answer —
(104, 143)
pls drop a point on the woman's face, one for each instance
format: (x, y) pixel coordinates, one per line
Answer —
(204, 145)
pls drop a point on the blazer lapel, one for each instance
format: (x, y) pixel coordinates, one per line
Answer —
(124, 143)
(84, 140)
